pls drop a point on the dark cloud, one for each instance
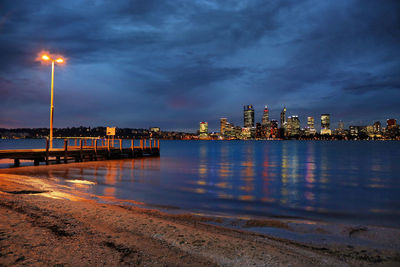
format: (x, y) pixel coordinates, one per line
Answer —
(174, 63)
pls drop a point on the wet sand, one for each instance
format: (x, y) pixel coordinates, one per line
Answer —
(40, 225)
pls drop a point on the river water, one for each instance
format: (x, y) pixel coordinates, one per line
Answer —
(344, 181)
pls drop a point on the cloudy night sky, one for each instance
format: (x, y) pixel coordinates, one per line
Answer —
(175, 63)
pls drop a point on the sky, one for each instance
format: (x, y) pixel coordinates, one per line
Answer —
(172, 64)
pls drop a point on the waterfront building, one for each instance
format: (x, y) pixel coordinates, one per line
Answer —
(223, 125)
(310, 128)
(283, 117)
(203, 132)
(353, 130)
(155, 129)
(340, 129)
(377, 127)
(246, 132)
(325, 124)
(259, 130)
(265, 117)
(391, 123)
(274, 129)
(392, 129)
(237, 130)
(248, 116)
(369, 130)
(293, 126)
(341, 126)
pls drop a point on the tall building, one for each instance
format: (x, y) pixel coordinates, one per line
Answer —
(283, 117)
(224, 124)
(310, 129)
(340, 126)
(354, 130)
(391, 123)
(248, 116)
(265, 117)
(325, 124)
(392, 129)
(293, 126)
(203, 132)
(377, 127)
(274, 128)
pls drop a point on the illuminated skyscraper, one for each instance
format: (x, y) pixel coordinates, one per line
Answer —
(224, 123)
(203, 132)
(283, 117)
(248, 116)
(310, 129)
(293, 126)
(392, 129)
(341, 126)
(325, 124)
(274, 128)
(377, 127)
(310, 122)
(391, 123)
(265, 117)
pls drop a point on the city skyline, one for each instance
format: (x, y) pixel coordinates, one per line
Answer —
(172, 64)
(258, 115)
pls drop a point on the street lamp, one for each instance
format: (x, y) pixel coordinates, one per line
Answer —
(59, 60)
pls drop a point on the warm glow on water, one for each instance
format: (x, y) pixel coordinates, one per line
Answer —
(346, 181)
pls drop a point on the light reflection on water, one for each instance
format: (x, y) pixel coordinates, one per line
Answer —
(349, 181)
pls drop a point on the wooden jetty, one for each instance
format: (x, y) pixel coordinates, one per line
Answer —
(84, 149)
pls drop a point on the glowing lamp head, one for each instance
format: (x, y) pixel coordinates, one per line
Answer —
(45, 57)
(59, 60)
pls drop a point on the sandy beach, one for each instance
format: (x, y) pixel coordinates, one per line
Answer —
(41, 225)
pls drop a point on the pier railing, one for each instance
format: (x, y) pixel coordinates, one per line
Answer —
(80, 149)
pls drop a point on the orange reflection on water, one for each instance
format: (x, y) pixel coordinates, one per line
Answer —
(310, 167)
(200, 190)
(225, 196)
(247, 188)
(225, 170)
(223, 185)
(203, 170)
(109, 191)
(247, 174)
(200, 182)
(246, 197)
(111, 174)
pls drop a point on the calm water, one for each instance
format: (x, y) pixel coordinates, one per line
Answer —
(347, 181)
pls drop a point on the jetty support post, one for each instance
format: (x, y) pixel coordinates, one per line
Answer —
(80, 150)
(65, 150)
(108, 148)
(120, 145)
(47, 152)
(132, 147)
(16, 162)
(95, 149)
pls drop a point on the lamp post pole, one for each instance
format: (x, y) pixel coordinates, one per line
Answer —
(60, 60)
(51, 105)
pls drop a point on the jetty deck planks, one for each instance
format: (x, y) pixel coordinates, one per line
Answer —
(83, 152)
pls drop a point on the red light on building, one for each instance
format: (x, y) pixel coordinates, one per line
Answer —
(391, 122)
